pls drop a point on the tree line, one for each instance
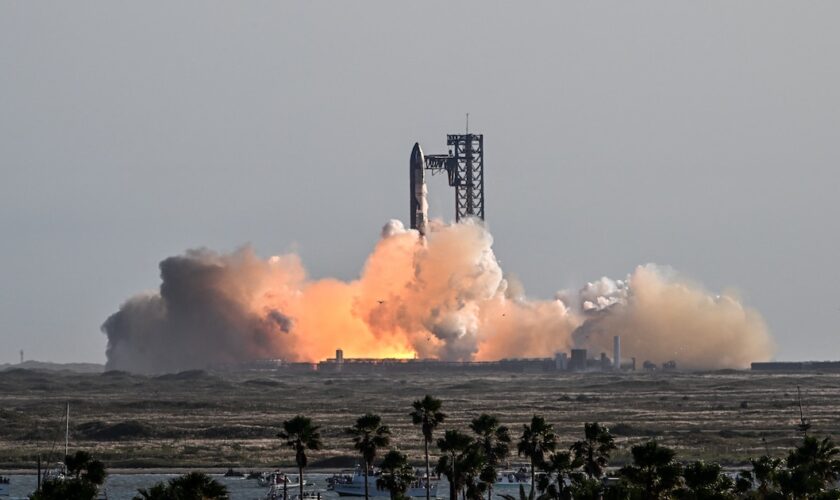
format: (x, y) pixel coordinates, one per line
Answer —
(471, 461)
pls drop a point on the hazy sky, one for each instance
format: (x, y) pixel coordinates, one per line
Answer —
(702, 135)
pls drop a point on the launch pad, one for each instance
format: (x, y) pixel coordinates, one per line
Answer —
(464, 167)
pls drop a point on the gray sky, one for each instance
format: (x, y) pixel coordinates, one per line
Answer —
(703, 135)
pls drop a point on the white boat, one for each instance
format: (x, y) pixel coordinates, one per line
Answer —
(59, 470)
(308, 495)
(347, 485)
(56, 472)
(277, 478)
(275, 492)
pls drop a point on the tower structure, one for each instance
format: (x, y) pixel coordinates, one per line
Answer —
(464, 167)
(617, 353)
(468, 155)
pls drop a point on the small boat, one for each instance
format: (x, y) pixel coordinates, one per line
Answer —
(234, 474)
(347, 485)
(342, 477)
(275, 492)
(308, 495)
(277, 478)
(254, 475)
(58, 471)
(511, 477)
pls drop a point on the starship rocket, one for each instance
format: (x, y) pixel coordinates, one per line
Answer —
(419, 202)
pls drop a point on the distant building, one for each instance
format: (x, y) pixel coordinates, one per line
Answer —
(575, 361)
(606, 363)
(578, 360)
(561, 361)
(617, 353)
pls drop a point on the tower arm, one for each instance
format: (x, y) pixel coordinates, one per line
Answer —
(439, 163)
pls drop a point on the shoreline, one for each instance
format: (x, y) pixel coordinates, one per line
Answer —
(183, 470)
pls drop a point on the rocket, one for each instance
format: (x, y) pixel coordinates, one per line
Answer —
(419, 202)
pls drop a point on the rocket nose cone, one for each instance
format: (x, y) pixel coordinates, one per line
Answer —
(416, 156)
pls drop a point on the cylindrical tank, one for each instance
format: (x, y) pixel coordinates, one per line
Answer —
(617, 352)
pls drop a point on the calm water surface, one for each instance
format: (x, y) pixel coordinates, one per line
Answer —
(124, 486)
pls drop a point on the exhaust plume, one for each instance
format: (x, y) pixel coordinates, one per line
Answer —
(661, 316)
(443, 296)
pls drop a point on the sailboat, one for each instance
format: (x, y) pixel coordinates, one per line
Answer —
(59, 469)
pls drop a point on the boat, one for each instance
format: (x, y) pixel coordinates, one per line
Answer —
(308, 495)
(514, 477)
(254, 475)
(347, 485)
(275, 492)
(232, 474)
(277, 478)
(59, 469)
(4, 486)
(342, 477)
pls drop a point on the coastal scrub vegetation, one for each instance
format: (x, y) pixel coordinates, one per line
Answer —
(472, 462)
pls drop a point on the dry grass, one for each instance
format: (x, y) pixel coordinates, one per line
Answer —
(207, 420)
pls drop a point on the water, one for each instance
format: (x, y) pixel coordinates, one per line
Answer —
(124, 486)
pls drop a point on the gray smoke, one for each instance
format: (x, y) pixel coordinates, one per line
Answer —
(199, 318)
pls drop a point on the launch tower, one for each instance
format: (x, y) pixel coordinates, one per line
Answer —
(464, 167)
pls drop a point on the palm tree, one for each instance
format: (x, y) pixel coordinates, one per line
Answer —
(654, 470)
(594, 450)
(704, 480)
(300, 435)
(84, 477)
(82, 465)
(558, 467)
(454, 444)
(537, 440)
(369, 435)
(522, 495)
(795, 484)
(159, 491)
(494, 441)
(587, 488)
(194, 485)
(397, 474)
(470, 469)
(428, 416)
(764, 476)
(818, 460)
(71, 488)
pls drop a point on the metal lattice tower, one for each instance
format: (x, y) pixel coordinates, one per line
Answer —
(468, 155)
(464, 167)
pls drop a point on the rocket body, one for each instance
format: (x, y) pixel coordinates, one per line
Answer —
(418, 193)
